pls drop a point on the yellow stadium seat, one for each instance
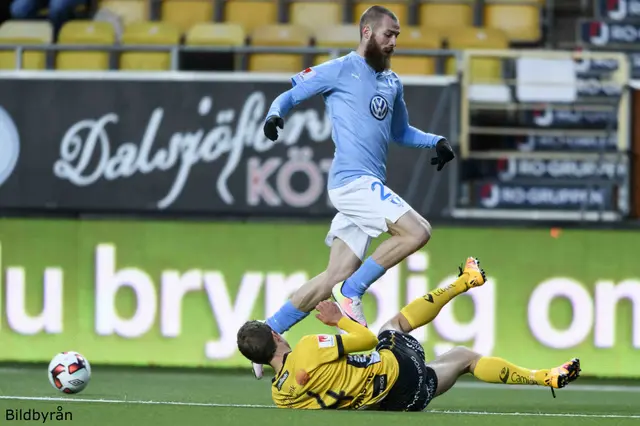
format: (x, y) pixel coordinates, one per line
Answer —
(129, 10)
(251, 14)
(521, 22)
(148, 34)
(400, 8)
(539, 3)
(85, 32)
(345, 36)
(186, 13)
(282, 36)
(416, 38)
(446, 16)
(479, 38)
(315, 15)
(25, 32)
(215, 34)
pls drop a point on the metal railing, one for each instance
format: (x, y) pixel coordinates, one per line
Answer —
(242, 51)
(614, 107)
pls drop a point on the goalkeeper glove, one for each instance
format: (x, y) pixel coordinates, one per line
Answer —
(270, 127)
(444, 154)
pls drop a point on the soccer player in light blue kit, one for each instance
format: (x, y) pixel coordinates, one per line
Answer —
(365, 101)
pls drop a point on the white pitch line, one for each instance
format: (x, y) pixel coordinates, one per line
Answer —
(206, 404)
(572, 387)
(487, 413)
(132, 402)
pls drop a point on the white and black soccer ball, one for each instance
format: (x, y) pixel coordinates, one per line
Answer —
(69, 372)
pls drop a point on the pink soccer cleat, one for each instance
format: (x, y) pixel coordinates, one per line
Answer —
(350, 306)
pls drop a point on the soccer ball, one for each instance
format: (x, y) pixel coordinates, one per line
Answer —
(69, 372)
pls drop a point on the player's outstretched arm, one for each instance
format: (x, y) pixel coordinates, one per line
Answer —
(358, 337)
(306, 84)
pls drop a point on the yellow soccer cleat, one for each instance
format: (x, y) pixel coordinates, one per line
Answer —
(559, 377)
(477, 276)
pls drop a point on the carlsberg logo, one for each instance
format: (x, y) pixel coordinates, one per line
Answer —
(159, 298)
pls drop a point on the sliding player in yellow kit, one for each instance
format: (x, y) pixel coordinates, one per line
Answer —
(322, 371)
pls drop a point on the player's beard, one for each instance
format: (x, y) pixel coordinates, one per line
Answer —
(376, 57)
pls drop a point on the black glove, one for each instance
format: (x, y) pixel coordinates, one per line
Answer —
(270, 125)
(444, 154)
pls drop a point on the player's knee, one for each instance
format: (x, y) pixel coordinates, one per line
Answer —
(397, 323)
(466, 356)
(420, 235)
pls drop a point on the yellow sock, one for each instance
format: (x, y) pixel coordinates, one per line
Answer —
(497, 370)
(424, 309)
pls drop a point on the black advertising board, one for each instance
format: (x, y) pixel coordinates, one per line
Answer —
(180, 144)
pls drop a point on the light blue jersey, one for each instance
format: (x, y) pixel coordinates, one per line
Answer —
(367, 111)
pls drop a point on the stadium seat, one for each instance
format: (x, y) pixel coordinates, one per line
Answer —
(400, 8)
(251, 14)
(281, 36)
(186, 13)
(416, 38)
(443, 15)
(215, 34)
(85, 32)
(519, 20)
(129, 10)
(345, 36)
(25, 32)
(315, 15)
(148, 34)
(479, 38)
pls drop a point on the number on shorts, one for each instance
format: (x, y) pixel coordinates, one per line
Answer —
(383, 197)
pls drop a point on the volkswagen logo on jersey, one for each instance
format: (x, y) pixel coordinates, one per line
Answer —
(9, 145)
(379, 107)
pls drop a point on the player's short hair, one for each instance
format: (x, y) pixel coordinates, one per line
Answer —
(256, 343)
(373, 15)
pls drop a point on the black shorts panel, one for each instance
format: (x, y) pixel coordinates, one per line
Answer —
(416, 384)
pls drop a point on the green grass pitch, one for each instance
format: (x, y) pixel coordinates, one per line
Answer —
(123, 396)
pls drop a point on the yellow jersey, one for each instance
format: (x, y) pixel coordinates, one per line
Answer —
(322, 372)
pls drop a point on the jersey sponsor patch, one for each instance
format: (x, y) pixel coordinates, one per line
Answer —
(326, 341)
(379, 384)
(307, 74)
(379, 107)
(282, 379)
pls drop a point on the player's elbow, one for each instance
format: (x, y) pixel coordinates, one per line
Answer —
(399, 137)
(406, 137)
(373, 341)
(359, 342)
(370, 342)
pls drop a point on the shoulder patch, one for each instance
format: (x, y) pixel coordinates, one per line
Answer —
(326, 341)
(307, 74)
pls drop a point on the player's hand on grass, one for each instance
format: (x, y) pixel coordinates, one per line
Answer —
(271, 127)
(444, 154)
(329, 314)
